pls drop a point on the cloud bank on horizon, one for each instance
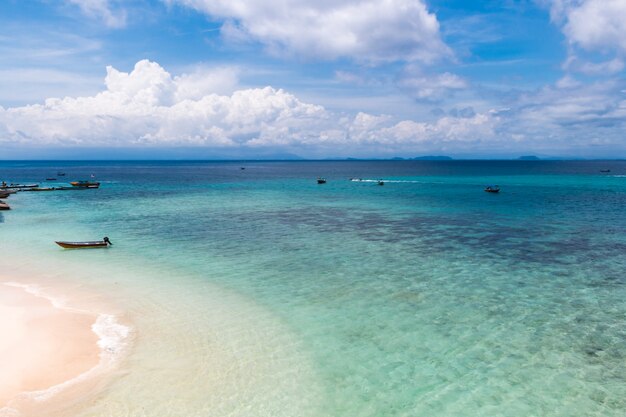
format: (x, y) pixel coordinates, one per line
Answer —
(383, 78)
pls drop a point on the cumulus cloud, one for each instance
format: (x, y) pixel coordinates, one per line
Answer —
(104, 10)
(592, 24)
(369, 31)
(149, 107)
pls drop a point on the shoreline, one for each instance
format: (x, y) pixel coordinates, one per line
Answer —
(51, 354)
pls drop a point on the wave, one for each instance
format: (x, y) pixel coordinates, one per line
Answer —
(384, 180)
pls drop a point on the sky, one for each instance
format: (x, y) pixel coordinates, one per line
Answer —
(143, 79)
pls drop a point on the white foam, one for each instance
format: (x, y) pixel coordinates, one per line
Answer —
(111, 335)
(390, 181)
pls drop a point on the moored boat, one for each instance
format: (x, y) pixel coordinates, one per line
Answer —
(492, 189)
(4, 206)
(12, 186)
(85, 184)
(104, 243)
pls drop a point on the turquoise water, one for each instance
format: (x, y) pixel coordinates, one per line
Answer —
(422, 297)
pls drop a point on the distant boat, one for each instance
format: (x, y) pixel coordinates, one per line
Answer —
(51, 179)
(605, 170)
(85, 184)
(492, 189)
(321, 180)
(4, 186)
(381, 182)
(4, 206)
(105, 242)
(60, 174)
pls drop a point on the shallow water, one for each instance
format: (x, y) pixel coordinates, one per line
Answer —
(260, 292)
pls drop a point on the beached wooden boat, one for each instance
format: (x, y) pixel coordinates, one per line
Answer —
(492, 189)
(85, 184)
(4, 206)
(104, 243)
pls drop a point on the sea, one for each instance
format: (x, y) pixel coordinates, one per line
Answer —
(251, 290)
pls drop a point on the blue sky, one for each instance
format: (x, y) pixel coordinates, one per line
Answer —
(361, 78)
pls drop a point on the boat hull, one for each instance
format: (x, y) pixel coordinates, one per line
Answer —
(85, 184)
(82, 245)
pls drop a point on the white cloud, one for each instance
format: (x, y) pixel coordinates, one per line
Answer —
(148, 107)
(592, 24)
(369, 31)
(430, 87)
(104, 10)
(570, 116)
(609, 67)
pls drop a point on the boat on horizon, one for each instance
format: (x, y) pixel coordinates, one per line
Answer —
(85, 184)
(321, 180)
(104, 243)
(492, 189)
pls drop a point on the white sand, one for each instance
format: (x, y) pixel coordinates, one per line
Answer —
(41, 345)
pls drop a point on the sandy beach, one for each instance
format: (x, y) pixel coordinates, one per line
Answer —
(42, 344)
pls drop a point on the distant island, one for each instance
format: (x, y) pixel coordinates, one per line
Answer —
(529, 158)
